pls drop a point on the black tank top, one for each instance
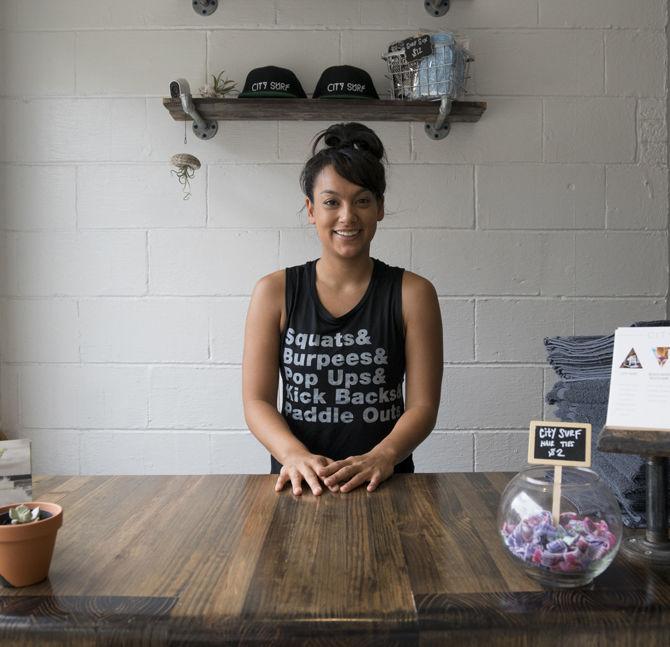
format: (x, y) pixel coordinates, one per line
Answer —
(342, 377)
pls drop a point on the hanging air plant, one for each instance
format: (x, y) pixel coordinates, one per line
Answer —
(186, 165)
(219, 87)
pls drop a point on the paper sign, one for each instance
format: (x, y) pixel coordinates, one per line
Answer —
(16, 483)
(640, 385)
(559, 443)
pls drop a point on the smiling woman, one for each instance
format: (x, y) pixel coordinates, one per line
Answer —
(345, 332)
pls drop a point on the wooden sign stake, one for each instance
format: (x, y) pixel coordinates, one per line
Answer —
(556, 496)
(558, 444)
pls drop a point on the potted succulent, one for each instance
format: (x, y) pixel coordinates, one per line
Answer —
(27, 538)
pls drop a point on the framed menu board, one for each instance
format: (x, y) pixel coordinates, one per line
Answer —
(640, 385)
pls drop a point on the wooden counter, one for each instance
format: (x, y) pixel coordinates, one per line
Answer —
(201, 560)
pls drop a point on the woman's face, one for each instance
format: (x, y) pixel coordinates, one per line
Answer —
(345, 214)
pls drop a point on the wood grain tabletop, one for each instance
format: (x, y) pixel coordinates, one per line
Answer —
(223, 559)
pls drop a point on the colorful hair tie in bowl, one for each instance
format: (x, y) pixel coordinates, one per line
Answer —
(570, 547)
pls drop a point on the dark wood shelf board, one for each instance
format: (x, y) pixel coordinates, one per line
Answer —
(324, 110)
(642, 442)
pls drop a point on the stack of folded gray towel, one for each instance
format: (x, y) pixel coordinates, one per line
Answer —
(581, 358)
(584, 364)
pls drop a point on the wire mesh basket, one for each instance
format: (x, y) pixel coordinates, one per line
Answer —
(428, 67)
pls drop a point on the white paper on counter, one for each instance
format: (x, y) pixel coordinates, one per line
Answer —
(16, 481)
(640, 385)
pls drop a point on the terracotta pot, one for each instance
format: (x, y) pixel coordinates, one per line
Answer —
(26, 549)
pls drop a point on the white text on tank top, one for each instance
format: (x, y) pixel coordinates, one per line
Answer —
(351, 367)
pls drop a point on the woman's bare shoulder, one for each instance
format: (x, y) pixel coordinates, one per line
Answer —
(416, 286)
(418, 296)
(268, 296)
(271, 285)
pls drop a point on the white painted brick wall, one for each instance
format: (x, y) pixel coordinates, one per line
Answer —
(452, 206)
(209, 262)
(151, 198)
(226, 328)
(599, 259)
(592, 315)
(489, 397)
(40, 330)
(144, 453)
(39, 75)
(651, 14)
(143, 330)
(511, 132)
(635, 63)
(652, 132)
(233, 205)
(50, 208)
(294, 13)
(458, 329)
(535, 196)
(75, 130)
(513, 330)
(516, 62)
(196, 398)
(237, 141)
(128, 14)
(637, 197)
(122, 306)
(495, 263)
(76, 263)
(652, 122)
(481, 14)
(446, 451)
(504, 451)
(380, 13)
(138, 62)
(89, 396)
(237, 452)
(591, 129)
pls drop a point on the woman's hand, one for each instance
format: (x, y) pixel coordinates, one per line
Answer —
(301, 466)
(375, 466)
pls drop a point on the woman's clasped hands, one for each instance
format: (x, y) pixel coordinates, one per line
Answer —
(345, 475)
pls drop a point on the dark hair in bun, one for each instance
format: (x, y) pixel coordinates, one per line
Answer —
(354, 151)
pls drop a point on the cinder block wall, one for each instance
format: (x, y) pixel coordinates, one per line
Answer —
(123, 305)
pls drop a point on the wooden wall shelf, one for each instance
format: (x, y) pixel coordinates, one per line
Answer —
(324, 110)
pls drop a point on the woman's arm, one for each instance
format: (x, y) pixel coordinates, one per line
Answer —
(423, 353)
(260, 378)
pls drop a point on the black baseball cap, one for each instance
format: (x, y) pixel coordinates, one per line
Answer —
(271, 81)
(345, 82)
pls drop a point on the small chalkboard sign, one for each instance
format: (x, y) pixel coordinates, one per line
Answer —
(559, 443)
(415, 47)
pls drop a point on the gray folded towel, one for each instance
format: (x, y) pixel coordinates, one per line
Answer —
(595, 414)
(572, 375)
(659, 323)
(580, 391)
(586, 357)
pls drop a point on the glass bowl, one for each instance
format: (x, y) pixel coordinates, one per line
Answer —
(584, 542)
